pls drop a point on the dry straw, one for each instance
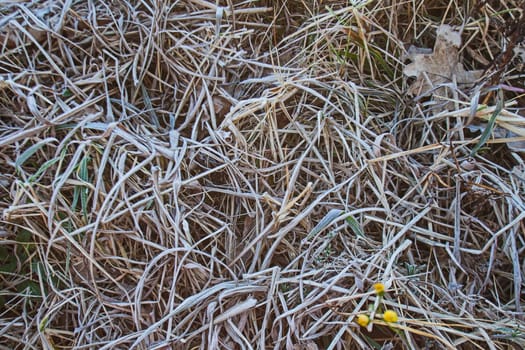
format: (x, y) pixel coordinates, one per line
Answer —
(237, 174)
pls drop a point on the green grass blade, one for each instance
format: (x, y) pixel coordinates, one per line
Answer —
(354, 226)
(49, 163)
(32, 150)
(490, 125)
(84, 190)
(327, 220)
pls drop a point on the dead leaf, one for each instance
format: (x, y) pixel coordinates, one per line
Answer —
(434, 68)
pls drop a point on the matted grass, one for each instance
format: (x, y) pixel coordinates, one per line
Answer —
(239, 174)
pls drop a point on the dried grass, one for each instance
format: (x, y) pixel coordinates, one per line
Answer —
(181, 175)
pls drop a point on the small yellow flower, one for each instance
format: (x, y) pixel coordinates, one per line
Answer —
(363, 320)
(379, 289)
(390, 316)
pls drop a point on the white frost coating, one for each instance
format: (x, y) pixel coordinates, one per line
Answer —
(447, 33)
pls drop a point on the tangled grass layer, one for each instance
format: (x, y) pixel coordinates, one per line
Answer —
(220, 174)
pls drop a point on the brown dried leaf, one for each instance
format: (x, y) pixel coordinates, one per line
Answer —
(439, 66)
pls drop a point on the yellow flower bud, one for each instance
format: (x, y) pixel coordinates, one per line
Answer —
(390, 316)
(363, 320)
(379, 289)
